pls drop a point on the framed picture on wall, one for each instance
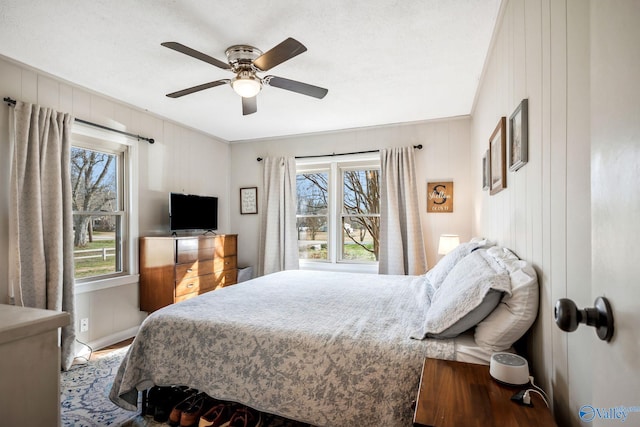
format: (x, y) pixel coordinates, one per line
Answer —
(249, 200)
(519, 136)
(486, 171)
(440, 197)
(497, 158)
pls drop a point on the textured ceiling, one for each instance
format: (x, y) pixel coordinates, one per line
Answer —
(383, 61)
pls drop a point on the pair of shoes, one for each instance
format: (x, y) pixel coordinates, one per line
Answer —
(187, 413)
(218, 415)
(154, 395)
(168, 399)
(246, 417)
(191, 415)
(231, 415)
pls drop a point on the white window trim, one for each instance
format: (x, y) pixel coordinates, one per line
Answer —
(334, 166)
(93, 138)
(106, 283)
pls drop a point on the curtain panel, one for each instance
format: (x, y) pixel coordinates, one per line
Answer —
(278, 233)
(40, 216)
(401, 243)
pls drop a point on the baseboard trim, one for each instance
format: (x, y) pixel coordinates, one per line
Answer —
(106, 341)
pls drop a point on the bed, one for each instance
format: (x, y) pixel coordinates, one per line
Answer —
(325, 348)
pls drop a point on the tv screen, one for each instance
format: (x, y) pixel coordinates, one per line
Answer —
(193, 212)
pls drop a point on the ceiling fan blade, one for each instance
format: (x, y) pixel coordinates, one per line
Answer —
(249, 105)
(294, 86)
(198, 88)
(195, 54)
(280, 53)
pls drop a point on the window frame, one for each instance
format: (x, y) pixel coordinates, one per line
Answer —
(352, 166)
(335, 166)
(110, 143)
(320, 168)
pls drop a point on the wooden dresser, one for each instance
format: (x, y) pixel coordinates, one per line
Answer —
(174, 269)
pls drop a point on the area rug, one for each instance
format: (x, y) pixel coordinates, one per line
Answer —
(84, 397)
(84, 393)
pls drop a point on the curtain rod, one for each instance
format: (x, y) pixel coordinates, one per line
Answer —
(149, 140)
(419, 147)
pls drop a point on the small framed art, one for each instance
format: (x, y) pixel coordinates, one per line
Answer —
(519, 136)
(249, 200)
(497, 158)
(486, 171)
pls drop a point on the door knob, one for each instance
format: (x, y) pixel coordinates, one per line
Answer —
(568, 317)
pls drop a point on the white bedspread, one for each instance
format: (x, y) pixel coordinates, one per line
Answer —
(329, 349)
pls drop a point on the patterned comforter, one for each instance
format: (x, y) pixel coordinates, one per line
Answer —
(330, 349)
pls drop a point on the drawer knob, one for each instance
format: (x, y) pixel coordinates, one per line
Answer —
(189, 270)
(190, 285)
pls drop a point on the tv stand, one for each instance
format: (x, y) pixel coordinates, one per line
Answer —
(174, 269)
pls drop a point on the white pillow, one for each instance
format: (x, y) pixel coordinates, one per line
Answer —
(482, 242)
(439, 272)
(467, 295)
(516, 312)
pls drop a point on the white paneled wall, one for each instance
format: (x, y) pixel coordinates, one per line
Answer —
(540, 52)
(181, 160)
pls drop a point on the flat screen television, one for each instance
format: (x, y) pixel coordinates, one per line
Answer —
(189, 212)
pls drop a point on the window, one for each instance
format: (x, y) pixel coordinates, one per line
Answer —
(312, 190)
(99, 199)
(338, 215)
(360, 214)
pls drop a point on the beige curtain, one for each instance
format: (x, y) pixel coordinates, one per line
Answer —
(401, 243)
(278, 236)
(40, 217)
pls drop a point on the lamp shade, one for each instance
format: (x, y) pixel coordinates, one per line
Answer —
(448, 242)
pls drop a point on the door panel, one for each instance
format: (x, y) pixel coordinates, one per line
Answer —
(615, 202)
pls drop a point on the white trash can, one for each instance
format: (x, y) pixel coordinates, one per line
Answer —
(244, 274)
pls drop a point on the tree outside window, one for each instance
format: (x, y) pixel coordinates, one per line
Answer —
(356, 211)
(312, 215)
(360, 215)
(97, 212)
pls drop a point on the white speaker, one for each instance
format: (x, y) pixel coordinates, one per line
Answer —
(509, 368)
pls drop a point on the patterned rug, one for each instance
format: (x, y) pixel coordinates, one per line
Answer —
(84, 397)
(84, 393)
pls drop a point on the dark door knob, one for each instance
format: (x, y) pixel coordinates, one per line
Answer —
(568, 317)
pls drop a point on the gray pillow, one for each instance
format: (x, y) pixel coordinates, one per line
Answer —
(465, 296)
(472, 318)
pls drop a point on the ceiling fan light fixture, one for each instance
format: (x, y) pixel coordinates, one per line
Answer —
(244, 62)
(246, 84)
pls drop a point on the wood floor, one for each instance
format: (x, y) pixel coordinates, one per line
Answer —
(106, 350)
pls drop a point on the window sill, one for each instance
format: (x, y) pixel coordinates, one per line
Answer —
(111, 282)
(371, 268)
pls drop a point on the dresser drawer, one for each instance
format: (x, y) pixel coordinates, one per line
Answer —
(226, 245)
(186, 296)
(196, 284)
(225, 263)
(225, 278)
(193, 269)
(189, 250)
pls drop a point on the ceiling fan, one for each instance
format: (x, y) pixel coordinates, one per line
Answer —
(245, 61)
